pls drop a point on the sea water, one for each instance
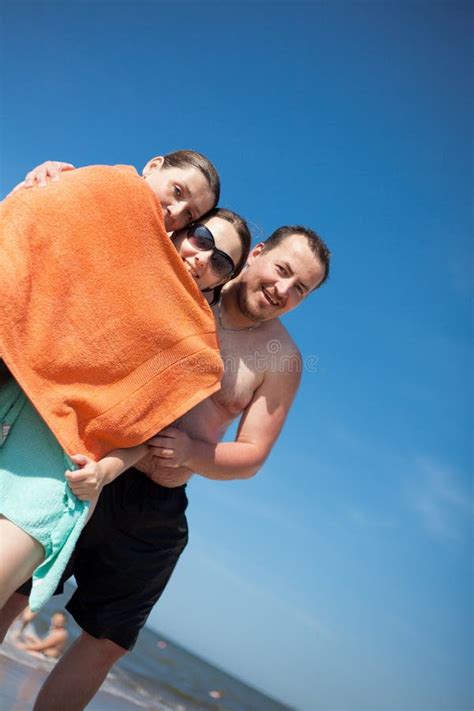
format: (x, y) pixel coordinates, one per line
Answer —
(158, 675)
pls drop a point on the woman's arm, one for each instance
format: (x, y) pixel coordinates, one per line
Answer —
(53, 639)
(42, 174)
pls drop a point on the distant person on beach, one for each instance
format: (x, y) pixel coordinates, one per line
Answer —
(24, 629)
(90, 260)
(129, 549)
(216, 694)
(53, 644)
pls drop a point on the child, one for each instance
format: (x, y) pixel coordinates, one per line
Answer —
(40, 520)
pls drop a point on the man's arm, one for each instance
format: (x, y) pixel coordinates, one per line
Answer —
(259, 427)
(42, 174)
(52, 640)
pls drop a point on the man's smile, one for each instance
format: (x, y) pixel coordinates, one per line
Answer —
(269, 298)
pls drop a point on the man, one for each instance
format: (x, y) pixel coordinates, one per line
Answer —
(259, 386)
(52, 645)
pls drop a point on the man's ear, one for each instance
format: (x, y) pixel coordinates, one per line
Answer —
(256, 251)
(153, 164)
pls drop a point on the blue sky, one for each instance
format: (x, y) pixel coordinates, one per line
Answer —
(340, 578)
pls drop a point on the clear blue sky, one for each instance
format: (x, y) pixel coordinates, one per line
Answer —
(340, 578)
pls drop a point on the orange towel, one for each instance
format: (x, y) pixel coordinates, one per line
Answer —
(100, 322)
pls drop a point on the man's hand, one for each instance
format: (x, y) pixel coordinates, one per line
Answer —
(172, 447)
(87, 481)
(42, 174)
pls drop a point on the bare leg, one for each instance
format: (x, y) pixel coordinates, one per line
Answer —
(78, 675)
(20, 554)
(10, 612)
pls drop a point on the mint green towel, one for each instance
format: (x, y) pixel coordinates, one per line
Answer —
(34, 493)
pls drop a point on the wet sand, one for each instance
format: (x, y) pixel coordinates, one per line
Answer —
(19, 685)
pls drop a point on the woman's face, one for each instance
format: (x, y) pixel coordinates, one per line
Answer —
(199, 262)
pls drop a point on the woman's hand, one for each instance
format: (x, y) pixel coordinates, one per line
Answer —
(87, 481)
(49, 170)
(171, 447)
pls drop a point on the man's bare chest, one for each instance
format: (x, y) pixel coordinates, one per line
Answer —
(245, 359)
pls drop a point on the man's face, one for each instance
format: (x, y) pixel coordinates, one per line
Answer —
(184, 193)
(198, 262)
(276, 281)
(58, 620)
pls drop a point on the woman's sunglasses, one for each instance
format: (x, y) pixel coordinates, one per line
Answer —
(202, 238)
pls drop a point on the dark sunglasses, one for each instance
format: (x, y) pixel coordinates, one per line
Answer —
(202, 238)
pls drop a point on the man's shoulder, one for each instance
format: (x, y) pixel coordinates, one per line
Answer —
(57, 636)
(285, 361)
(284, 343)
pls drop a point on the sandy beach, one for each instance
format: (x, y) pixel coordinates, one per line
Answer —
(21, 679)
(157, 675)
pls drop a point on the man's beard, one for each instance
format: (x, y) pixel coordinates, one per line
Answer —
(244, 305)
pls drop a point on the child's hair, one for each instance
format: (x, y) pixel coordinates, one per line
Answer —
(193, 159)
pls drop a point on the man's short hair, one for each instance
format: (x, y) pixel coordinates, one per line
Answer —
(193, 159)
(60, 612)
(315, 243)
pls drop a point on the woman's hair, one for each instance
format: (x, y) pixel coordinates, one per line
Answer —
(193, 159)
(245, 237)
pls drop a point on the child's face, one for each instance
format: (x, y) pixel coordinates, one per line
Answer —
(198, 262)
(184, 193)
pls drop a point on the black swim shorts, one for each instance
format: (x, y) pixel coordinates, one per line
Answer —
(125, 556)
